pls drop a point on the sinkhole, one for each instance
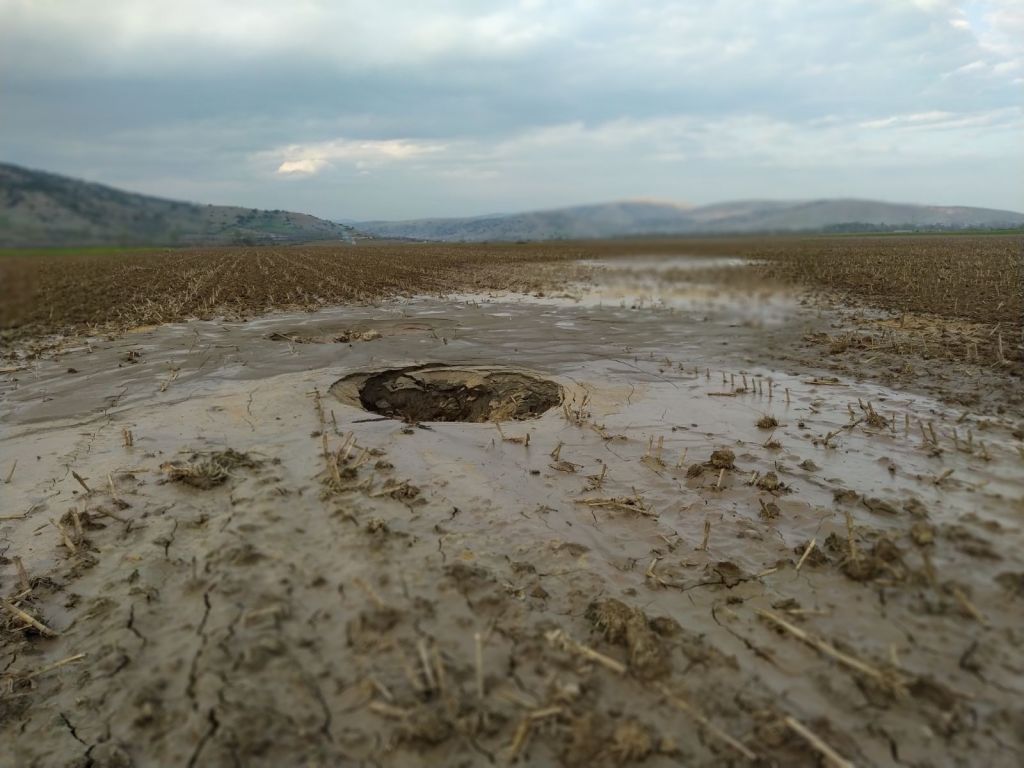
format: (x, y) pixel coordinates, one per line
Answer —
(473, 393)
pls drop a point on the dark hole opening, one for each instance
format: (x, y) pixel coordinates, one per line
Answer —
(458, 394)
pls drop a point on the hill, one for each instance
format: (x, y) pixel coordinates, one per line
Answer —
(654, 218)
(43, 209)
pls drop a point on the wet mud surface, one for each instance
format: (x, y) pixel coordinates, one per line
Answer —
(712, 552)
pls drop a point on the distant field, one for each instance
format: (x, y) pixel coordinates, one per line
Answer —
(72, 291)
(92, 250)
(976, 278)
(50, 290)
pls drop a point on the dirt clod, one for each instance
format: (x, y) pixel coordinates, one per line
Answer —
(630, 628)
(631, 742)
(722, 459)
(770, 482)
(208, 470)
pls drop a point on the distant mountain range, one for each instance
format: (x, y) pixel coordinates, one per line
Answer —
(652, 218)
(43, 209)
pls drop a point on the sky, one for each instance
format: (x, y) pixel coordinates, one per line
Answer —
(371, 109)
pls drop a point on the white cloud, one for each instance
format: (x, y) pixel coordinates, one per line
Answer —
(192, 34)
(973, 66)
(653, 43)
(751, 140)
(309, 159)
(305, 167)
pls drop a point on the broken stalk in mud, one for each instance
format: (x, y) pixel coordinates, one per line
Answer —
(891, 681)
(832, 757)
(30, 620)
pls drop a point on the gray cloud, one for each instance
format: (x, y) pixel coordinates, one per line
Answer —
(386, 110)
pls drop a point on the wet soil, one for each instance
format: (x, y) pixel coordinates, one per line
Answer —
(717, 551)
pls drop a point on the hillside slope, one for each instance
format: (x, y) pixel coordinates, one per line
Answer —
(652, 218)
(44, 209)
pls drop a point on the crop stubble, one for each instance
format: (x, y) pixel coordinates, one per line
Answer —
(974, 278)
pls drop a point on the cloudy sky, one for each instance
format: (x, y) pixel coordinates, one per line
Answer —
(375, 109)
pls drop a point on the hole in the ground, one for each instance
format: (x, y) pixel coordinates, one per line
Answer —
(451, 393)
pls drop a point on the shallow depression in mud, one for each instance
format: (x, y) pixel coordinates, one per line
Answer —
(451, 393)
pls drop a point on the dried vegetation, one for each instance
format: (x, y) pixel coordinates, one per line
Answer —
(951, 297)
(79, 292)
(971, 278)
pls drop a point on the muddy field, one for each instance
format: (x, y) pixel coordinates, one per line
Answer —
(652, 510)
